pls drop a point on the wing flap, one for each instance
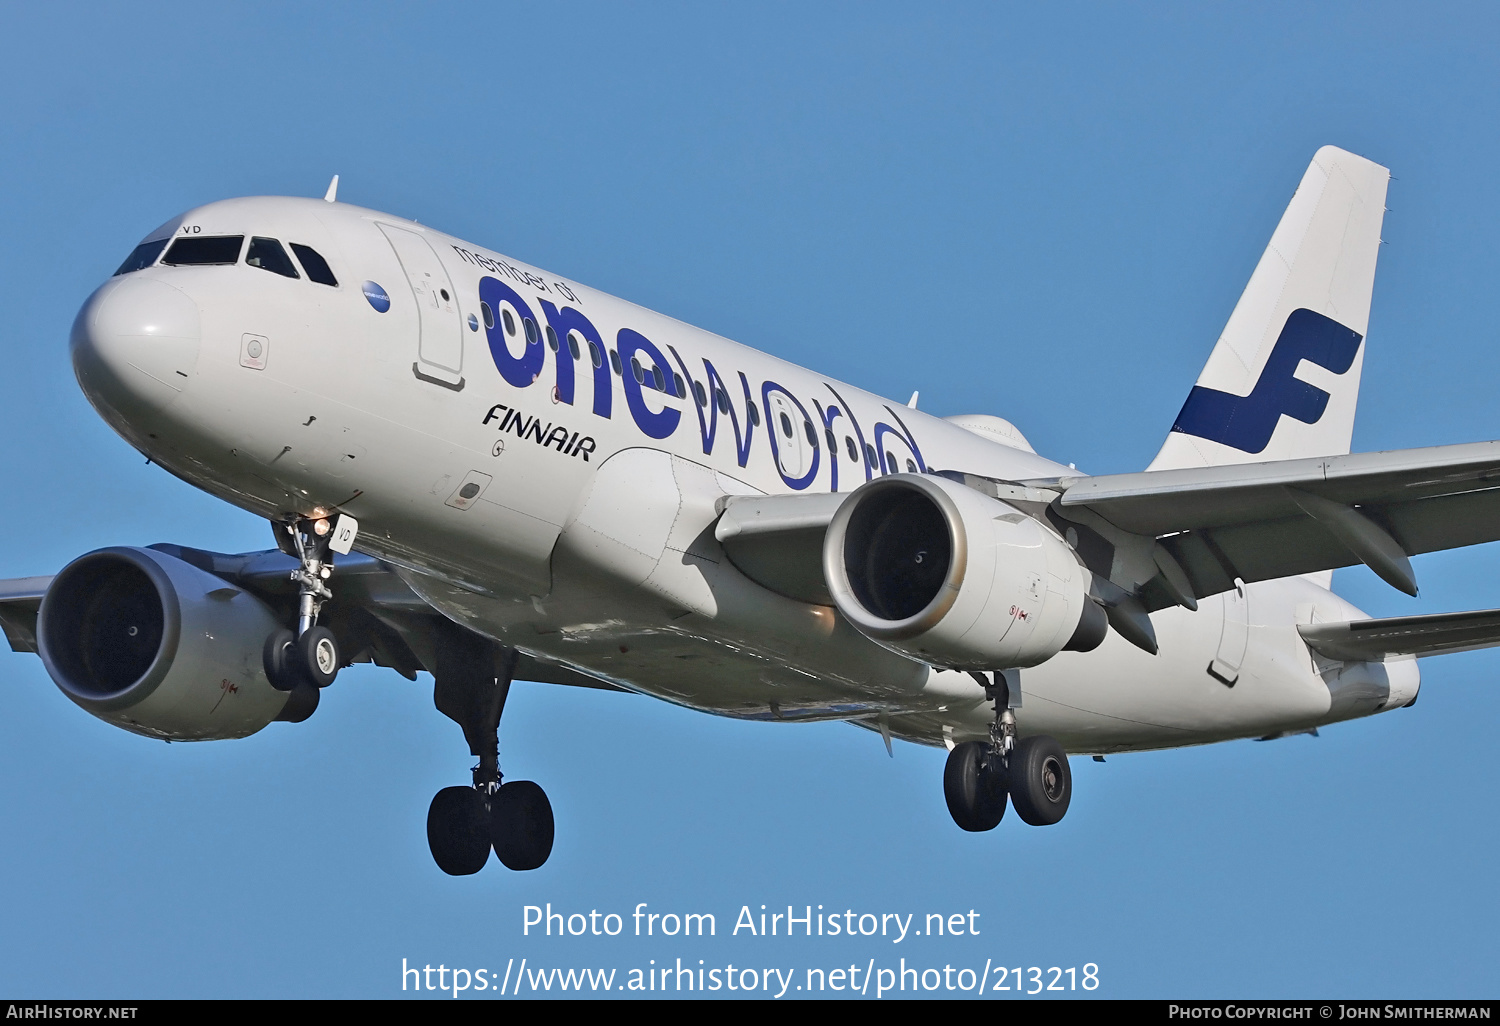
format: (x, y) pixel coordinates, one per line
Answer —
(1255, 552)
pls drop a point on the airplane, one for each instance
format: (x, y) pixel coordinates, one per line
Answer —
(485, 471)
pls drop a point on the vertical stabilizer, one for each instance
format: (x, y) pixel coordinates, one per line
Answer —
(1283, 380)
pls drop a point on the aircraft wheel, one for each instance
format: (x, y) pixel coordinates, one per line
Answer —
(521, 825)
(279, 659)
(458, 831)
(974, 785)
(1041, 785)
(318, 656)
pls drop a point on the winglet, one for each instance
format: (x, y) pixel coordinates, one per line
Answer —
(332, 195)
(912, 402)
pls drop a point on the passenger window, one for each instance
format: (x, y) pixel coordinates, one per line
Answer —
(533, 337)
(573, 345)
(853, 449)
(754, 414)
(142, 256)
(594, 354)
(552, 342)
(700, 394)
(870, 454)
(614, 361)
(911, 468)
(661, 384)
(786, 425)
(635, 368)
(723, 401)
(489, 315)
(313, 263)
(207, 249)
(812, 435)
(268, 255)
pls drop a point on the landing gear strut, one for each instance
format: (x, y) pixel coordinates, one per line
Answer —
(307, 659)
(463, 823)
(1033, 770)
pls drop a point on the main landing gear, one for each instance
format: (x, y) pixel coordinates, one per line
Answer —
(463, 823)
(1033, 771)
(307, 659)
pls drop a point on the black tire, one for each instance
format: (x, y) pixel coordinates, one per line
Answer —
(300, 704)
(1041, 785)
(458, 831)
(521, 825)
(279, 659)
(318, 656)
(974, 785)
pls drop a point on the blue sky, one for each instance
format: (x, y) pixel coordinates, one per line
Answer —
(1047, 216)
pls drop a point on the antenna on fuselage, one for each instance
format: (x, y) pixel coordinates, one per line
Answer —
(332, 194)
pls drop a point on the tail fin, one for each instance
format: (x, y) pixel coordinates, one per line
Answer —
(1283, 380)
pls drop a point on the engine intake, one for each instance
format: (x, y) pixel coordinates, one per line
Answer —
(157, 646)
(937, 571)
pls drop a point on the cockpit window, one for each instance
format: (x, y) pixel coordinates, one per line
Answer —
(143, 255)
(313, 263)
(206, 249)
(268, 255)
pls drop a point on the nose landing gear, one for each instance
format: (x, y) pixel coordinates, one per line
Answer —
(308, 659)
(463, 823)
(1032, 771)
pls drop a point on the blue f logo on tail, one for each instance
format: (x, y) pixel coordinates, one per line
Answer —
(1247, 422)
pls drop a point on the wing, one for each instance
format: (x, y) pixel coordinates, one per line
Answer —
(376, 616)
(1261, 521)
(1433, 634)
(1171, 537)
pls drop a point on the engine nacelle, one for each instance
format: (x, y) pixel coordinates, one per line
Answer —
(159, 647)
(937, 571)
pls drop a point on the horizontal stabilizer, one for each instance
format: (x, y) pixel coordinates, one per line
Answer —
(1433, 634)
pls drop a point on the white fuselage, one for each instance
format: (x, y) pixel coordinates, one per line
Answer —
(567, 509)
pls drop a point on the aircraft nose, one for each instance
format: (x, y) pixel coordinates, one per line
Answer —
(135, 345)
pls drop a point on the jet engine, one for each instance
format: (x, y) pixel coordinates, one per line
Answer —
(940, 572)
(161, 648)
